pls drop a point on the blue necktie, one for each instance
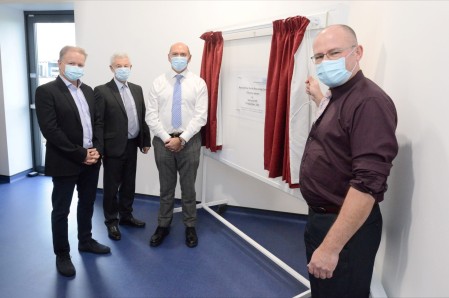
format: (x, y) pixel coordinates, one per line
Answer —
(176, 115)
(133, 127)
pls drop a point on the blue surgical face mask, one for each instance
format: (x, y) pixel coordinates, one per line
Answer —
(179, 63)
(333, 73)
(73, 73)
(122, 73)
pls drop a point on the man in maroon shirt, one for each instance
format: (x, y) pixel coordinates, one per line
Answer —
(345, 166)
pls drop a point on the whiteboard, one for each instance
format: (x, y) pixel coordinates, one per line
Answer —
(242, 130)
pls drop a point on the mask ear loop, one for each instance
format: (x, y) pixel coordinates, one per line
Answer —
(356, 62)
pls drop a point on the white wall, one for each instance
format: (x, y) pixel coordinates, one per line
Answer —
(406, 46)
(15, 153)
(4, 165)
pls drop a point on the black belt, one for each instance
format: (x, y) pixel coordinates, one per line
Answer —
(333, 209)
(175, 134)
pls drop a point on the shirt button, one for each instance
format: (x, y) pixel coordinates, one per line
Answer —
(310, 138)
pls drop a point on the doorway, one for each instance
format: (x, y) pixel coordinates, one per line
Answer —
(46, 33)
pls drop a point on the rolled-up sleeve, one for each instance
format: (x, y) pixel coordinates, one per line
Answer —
(373, 145)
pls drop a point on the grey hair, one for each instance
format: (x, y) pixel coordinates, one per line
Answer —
(66, 49)
(119, 55)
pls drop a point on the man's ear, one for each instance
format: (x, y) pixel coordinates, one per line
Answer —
(359, 52)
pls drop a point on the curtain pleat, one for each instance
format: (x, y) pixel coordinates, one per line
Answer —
(210, 72)
(287, 36)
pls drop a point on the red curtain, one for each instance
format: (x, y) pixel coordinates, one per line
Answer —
(287, 36)
(210, 72)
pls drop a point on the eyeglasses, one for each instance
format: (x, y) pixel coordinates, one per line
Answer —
(331, 55)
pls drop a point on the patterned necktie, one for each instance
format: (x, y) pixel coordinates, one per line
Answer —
(176, 116)
(130, 113)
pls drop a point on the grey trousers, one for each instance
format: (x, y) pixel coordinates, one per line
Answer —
(169, 163)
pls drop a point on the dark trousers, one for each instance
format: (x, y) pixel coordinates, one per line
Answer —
(169, 163)
(119, 184)
(352, 276)
(63, 188)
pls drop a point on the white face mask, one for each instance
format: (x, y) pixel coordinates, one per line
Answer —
(122, 73)
(333, 73)
(73, 73)
(179, 63)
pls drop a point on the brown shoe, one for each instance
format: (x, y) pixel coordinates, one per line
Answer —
(64, 265)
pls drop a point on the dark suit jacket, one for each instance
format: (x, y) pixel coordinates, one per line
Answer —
(60, 123)
(115, 119)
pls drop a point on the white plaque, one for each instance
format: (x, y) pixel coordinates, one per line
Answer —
(252, 93)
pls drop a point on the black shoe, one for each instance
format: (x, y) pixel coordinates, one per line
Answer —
(114, 232)
(64, 265)
(94, 247)
(159, 236)
(131, 221)
(191, 237)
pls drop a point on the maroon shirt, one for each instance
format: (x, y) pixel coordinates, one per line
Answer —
(353, 143)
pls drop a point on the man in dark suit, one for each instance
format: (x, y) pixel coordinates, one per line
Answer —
(122, 107)
(72, 126)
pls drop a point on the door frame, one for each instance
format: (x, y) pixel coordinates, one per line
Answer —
(31, 18)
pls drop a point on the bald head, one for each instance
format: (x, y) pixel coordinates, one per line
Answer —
(342, 33)
(337, 41)
(179, 47)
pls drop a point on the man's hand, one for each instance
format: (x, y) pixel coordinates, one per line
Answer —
(145, 150)
(313, 89)
(92, 156)
(323, 263)
(174, 144)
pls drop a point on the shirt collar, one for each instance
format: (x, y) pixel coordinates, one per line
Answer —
(67, 83)
(173, 73)
(337, 91)
(120, 84)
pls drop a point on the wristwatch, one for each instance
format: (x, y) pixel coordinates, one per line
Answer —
(183, 142)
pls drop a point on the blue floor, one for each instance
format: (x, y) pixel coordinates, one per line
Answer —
(222, 265)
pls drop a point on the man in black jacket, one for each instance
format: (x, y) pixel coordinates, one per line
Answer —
(122, 109)
(70, 122)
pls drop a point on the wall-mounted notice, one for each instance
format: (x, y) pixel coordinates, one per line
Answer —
(251, 93)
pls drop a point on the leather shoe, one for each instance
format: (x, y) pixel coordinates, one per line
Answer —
(191, 237)
(64, 265)
(131, 221)
(94, 247)
(114, 232)
(159, 236)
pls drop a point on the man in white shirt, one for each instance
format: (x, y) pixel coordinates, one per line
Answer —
(176, 111)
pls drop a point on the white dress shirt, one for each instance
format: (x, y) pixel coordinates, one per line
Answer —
(83, 109)
(126, 89)
(193, 108)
